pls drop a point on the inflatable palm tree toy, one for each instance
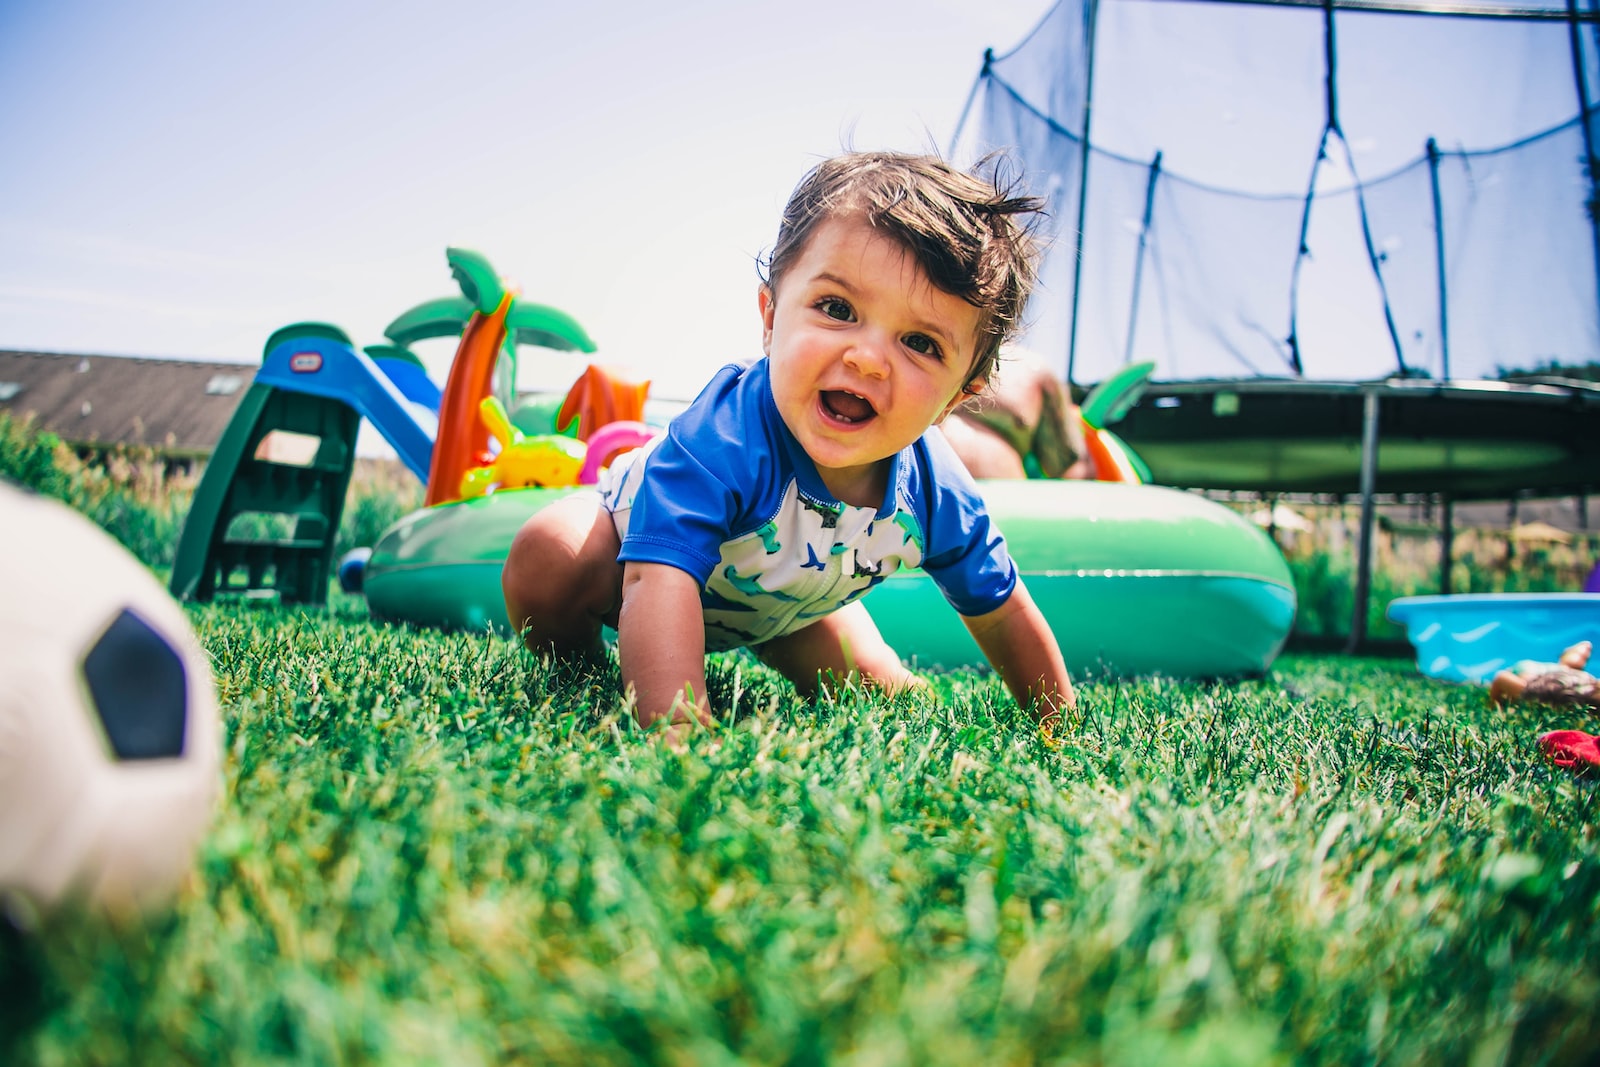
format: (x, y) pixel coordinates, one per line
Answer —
(492, 320)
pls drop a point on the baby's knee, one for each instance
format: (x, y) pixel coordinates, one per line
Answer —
(561, 570)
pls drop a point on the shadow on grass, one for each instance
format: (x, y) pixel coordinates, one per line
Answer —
(25, 991)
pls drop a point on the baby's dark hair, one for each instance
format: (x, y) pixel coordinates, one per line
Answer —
(973, 240)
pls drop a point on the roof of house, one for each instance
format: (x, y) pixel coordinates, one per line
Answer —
(176, 406)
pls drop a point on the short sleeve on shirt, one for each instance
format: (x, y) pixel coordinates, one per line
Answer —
(686, 500)
(967, 556)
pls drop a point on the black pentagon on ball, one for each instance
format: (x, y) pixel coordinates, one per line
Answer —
(140, 690)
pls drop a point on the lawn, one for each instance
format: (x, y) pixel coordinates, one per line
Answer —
(435, 848)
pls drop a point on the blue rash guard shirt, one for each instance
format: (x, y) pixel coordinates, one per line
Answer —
(728, 495)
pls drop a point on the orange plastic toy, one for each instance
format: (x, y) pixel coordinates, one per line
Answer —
(1111, 463)
(602, 395)
(471, 374)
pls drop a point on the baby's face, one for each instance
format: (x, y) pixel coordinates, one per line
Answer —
(866, 353)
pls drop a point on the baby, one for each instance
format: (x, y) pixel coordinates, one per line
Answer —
(794, 485)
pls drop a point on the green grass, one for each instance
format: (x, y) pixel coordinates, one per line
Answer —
(437, 849)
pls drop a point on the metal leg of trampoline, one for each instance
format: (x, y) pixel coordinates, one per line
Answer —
(1369, 479)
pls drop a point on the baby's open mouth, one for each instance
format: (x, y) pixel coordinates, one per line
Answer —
(847, 407)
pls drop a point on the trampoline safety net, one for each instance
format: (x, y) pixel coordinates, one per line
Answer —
(1305, 189)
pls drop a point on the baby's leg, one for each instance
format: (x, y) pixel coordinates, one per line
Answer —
(843, 644)
(562, 581)
(1577, 656)
(1506, 687)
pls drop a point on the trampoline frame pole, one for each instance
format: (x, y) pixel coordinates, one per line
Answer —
(1438, 257)
(1447, 540)
(1369, 481)
(1138, 261)
(1582, 85)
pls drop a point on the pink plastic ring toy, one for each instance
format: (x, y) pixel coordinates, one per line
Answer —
(610, 441)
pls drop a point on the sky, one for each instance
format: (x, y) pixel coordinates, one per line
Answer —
(182, 178)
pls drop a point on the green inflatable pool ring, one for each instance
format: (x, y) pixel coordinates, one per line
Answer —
(1133, 579)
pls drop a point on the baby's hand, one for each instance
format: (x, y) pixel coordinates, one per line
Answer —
(916, 686)
(677, 735)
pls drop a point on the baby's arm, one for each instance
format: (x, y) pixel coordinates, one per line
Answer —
(1020, 646)
(661, 643)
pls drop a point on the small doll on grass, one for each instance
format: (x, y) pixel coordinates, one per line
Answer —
(795, 484)
(1566, 682)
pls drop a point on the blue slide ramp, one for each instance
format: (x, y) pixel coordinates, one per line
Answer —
(405, 370)
(319, 366)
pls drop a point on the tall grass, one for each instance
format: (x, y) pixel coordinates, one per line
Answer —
(129, 492)
(438, 849)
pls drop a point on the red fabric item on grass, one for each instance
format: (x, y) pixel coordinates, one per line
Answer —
(1571, 748)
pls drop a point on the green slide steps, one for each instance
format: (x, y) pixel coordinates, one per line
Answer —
(216, 556)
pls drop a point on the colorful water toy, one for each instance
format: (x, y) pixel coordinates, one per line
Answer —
(548, 460)
(463, 436)
(609, 442)
(1110, 400)
(602, 395)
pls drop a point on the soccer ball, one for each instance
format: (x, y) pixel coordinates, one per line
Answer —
(110, 743)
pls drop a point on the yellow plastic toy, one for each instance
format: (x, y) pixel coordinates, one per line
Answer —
(548, 460)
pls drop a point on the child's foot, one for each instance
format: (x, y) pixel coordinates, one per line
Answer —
(1577, 657)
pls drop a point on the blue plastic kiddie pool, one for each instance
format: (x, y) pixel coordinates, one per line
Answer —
(1467, 638)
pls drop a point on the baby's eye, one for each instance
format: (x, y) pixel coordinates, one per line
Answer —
(922, 343)
(835, 308)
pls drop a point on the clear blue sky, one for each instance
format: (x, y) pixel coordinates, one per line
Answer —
(182, 178)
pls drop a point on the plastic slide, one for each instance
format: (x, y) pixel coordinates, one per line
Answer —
(405, 370)
(319, 366)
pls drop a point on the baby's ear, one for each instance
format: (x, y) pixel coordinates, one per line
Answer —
(964, 394)
(768, 303)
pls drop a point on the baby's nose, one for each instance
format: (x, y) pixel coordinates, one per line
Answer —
(868, 356)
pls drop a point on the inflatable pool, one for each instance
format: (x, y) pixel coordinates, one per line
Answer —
(1469, 637)
(1133, 579)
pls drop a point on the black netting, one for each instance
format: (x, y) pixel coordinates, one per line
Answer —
(1520, 267)
(1220, 303)
(1203, 271)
